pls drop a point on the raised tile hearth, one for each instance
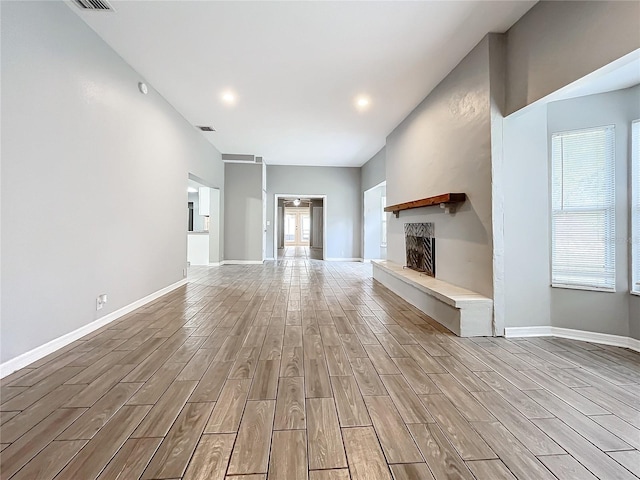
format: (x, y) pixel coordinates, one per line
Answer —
(465, 313)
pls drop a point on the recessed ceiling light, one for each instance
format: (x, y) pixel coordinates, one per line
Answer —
(362, 102)
(229, 97)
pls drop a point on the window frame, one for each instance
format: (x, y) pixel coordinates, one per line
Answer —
(634, 210)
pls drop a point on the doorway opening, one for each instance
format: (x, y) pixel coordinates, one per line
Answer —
(375, 223)
(299, 227)
(203, 223)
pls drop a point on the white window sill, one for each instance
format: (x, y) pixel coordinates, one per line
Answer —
(583, 287)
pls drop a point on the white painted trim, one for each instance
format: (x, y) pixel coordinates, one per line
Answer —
(594, 337)
(242, 262)
(343, 259)
(584, 287)
(381, 184)
(37, 353)
(363, 245)
(498, 212)
(215, 264)
(269, 259)
(538, 331)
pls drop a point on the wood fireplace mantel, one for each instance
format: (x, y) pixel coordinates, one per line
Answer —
(448, 201)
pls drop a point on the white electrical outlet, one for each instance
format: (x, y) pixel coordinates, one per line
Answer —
(100, 301)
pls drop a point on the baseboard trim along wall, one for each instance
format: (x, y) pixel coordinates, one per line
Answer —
(342, 259)
(594, 337)
(37, 353)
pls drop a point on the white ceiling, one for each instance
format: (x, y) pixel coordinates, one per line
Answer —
(297, 67)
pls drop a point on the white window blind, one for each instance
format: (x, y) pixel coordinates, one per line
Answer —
(583, 209)
(635, 205)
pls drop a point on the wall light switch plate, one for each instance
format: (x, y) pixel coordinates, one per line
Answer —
(100, 301)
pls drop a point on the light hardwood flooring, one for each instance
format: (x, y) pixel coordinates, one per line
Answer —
(289, 253)
(305, 369)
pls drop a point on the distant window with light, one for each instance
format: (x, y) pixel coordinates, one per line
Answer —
(635, 206)
(583, 209)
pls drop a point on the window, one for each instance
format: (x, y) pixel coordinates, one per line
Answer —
(635, 206)
(583, 209)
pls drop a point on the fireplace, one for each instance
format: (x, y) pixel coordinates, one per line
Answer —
(421, 247)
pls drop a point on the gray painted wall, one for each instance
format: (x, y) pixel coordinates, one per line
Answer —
(444, 145)
(215, 221)
(343, 206)
(317, 240)
(600, 311)
(243, 214)
(526, 219)
(556, 43)
(97, 192)
(280, 227)
(374, 171)
(634, 316)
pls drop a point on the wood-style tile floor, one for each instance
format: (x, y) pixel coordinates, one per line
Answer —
(311, 370)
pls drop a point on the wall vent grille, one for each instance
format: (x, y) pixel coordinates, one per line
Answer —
(238, 158)
(101, 5)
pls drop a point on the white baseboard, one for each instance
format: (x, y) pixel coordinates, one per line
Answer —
(242, 262)
(37, 353)
(343, 259)
(215, 264)
(270, 259)
(594, 337)
(540, 331)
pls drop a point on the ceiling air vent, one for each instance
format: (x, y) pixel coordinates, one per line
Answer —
(101, 5)
(238, 158)
(206, 129)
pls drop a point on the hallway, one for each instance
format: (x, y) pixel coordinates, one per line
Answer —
(299, 253)
(306, 369)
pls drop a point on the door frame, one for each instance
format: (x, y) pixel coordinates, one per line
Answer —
(215, 226)
(364, 220)
(277, 197)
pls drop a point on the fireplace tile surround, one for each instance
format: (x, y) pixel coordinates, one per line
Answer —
(420, 246)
